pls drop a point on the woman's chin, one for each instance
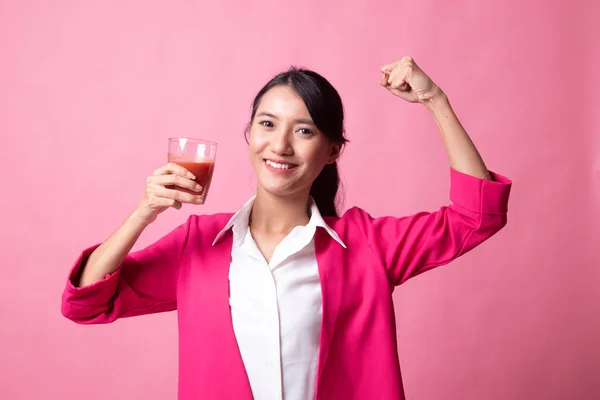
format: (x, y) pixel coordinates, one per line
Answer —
(279, 190)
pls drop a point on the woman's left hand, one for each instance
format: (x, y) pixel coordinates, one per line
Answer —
(406, 80)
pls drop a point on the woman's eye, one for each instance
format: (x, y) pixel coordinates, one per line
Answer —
(305, 131)
(267, 124)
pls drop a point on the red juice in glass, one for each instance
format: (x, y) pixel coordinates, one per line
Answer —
(198, 157)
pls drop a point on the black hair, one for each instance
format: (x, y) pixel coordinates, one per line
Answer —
(325, 107)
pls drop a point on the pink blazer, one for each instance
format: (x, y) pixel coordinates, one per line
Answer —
(358, 357)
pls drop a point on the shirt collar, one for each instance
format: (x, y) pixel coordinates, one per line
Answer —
(239, 221)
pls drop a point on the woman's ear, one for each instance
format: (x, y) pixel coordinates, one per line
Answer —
(334, 153)
(247, 132)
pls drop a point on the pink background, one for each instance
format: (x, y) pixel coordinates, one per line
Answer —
(90, 90)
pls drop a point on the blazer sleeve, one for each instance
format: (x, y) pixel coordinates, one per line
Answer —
(144, 283)
(412, 245)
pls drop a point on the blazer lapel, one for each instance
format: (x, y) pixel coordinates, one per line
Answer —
(330, 259)
(227, 364)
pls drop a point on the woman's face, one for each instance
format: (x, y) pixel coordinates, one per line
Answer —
(286, 149)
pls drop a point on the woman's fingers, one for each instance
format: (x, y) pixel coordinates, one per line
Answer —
(175, 169)
(174, 180)
(169, 186)
(161, 192)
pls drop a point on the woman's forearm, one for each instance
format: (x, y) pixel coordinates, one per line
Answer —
(462, 153)
(107, 258)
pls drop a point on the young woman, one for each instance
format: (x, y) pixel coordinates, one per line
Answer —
(285, 299)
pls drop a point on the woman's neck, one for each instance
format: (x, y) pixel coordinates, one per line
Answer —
(278, 215)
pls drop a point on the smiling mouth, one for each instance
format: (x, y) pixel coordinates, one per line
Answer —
(281, 166)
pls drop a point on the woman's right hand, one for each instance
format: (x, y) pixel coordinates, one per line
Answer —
(164, 190)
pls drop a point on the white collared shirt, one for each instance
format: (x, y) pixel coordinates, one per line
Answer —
(276, 308)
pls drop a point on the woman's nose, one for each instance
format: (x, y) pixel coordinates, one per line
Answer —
(281, 143)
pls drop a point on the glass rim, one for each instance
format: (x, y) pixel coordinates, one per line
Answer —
(193, 140)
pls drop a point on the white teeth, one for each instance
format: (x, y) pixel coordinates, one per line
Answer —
(278, 166)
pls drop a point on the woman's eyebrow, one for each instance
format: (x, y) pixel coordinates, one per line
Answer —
(298, 121)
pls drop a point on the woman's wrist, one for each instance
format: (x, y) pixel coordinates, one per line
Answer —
(140, 218)
(437, 104)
